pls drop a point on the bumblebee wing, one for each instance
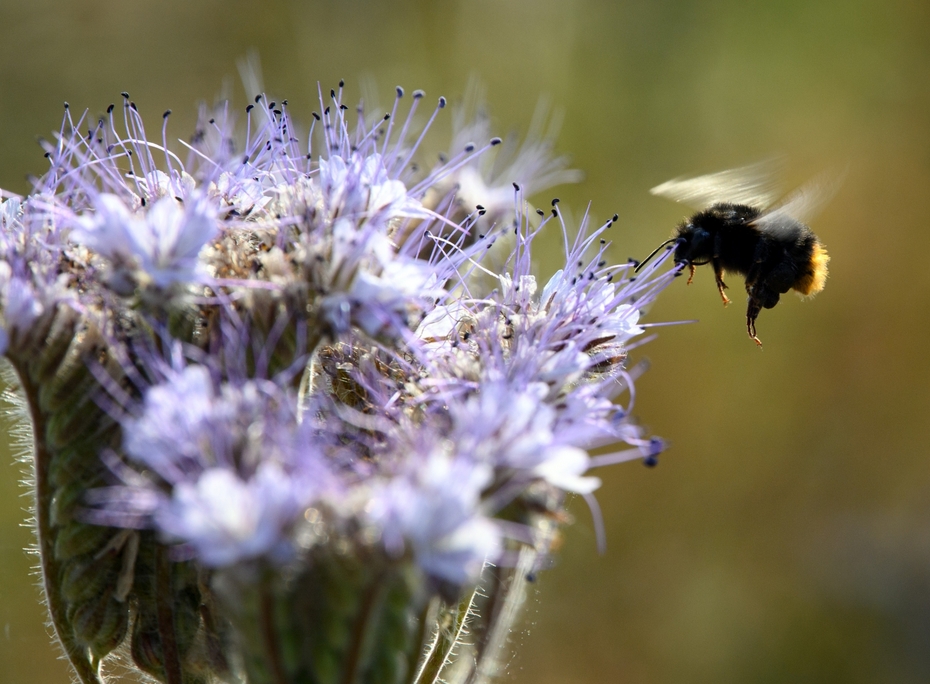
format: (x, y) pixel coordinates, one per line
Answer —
(801, 205)
(754, 185)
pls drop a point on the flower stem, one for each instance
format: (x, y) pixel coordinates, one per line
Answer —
(164, 597)
(364, 624)
(51, 569)
(270, 635)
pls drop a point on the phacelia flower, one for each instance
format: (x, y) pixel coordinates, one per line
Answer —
(306, 411)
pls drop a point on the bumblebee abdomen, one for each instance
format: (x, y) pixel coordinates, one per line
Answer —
(814, 275)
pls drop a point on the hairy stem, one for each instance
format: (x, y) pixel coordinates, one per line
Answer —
(77, 655)
(270, 635)
(164, 611)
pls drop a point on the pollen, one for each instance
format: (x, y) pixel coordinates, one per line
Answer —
(813, 280)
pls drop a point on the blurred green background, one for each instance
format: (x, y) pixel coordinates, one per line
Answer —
(786, 535)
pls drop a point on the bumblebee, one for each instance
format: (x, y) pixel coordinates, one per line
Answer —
(741, 229)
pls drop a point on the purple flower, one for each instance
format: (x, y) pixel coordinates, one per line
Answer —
(434, 507)
(325, 358)
(239, 468)
(162, 243)
(30, 283)
(513, 428)
(227, 519)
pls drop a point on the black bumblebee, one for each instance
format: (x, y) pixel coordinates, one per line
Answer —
(740, 229)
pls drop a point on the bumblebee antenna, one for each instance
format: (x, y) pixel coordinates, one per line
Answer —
(654, 252)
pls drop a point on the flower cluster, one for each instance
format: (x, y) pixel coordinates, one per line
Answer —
(298, 398)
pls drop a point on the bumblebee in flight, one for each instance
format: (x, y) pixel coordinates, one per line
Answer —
(740, 228)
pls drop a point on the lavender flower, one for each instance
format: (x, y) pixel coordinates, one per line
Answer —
(294, 398)
(162, 245)
(434, 505)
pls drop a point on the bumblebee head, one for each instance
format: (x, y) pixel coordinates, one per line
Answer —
(694, 243)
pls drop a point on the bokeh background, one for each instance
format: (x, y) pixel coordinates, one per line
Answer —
(786, 535)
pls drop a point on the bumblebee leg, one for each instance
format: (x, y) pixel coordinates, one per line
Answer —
(718, 271)
(752, 313)
(721, 286)
(690, 275)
